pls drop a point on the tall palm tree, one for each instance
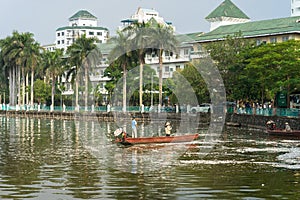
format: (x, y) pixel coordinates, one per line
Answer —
(121, 54)
(82, 53)
(53, 63)
(140, 40)
(33, 57)
(163, 39)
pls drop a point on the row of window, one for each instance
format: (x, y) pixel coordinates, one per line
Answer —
(68, 41)
(272, 40)
(98, 33)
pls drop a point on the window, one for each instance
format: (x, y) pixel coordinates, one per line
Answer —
(58, 34)
(91, 33)
(186, 51)
(62, 33)
(285, 38)
(177, 67)
(273, 39)
(167, 68)
(99, 33)
(62, 41)
(58, 42)
(258, 42)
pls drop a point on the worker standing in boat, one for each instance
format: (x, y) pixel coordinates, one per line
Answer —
(133, 126)
(168, 128)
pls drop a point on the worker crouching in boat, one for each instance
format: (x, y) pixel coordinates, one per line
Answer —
(120, 135)
(271, 125)
(168, 129)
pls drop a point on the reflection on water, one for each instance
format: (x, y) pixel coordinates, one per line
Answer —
(60, 159)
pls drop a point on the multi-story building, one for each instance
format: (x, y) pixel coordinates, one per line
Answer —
(263, 31)
(80, 23)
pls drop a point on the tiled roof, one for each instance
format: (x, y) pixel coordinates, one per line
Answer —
(82, 14)
(227, 9)
(81, 27)
(190, 37)
(254, 29)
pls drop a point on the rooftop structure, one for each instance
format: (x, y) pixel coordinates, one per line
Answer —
(144, 15)
(225, 14)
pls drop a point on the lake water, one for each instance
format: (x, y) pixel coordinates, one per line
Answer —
(65, 159)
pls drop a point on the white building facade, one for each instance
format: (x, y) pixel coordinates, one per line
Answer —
(295, 8)
(80, 23)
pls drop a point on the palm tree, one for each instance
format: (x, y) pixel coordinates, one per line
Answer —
(121, 54)
(82, 53)
(163, 39)
(140, 40)
(33, 54)
(53, 63)
(15, 53)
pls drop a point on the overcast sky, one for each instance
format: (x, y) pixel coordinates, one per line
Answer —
(43, 17)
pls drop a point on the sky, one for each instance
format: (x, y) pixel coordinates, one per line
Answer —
(43, 17)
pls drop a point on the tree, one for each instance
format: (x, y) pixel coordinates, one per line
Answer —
(17, 53)
(82, 54)
(197, 83)
(164, 40)
(273, 67)
(227, 55)
(53, 63)
(121, 55)
(32, 52)
(140, 40)
(42, 91)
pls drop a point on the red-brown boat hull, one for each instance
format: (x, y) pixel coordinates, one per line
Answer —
(164, 139)
(293, 133)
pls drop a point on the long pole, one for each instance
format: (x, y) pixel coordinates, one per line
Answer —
(152, 89)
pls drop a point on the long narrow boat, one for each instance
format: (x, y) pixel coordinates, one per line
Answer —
(162, 139)
(283, 133)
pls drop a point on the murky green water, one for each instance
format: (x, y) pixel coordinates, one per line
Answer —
(59, 159)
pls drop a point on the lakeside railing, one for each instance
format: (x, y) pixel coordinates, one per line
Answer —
(284, 112)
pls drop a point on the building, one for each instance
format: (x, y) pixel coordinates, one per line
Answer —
(144, 15)
(264, 31)
(82, 22)
(295, 8)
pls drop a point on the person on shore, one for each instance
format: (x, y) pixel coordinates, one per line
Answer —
(133, 126)
(287, 127)
(168, 129)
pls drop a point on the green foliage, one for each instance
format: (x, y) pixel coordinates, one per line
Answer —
(42, 91)
(275, 67)
(195, 85)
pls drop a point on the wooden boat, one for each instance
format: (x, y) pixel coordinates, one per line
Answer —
(161, 139)
(284, 133)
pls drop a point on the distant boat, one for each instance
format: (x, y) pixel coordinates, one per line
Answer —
(161, 139)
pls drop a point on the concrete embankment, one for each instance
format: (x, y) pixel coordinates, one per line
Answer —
(259, 121)
(254, 121)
